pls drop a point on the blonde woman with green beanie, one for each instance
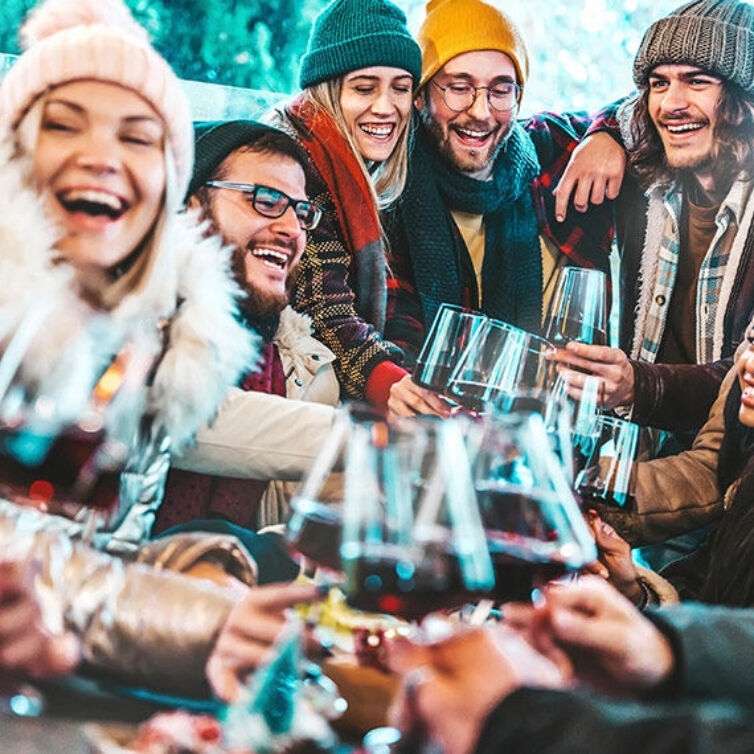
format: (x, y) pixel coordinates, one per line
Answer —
(358, 78)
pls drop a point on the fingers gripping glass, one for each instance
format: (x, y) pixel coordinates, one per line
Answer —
(461, 96)
(273, 203)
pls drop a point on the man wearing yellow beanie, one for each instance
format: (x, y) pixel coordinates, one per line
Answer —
(471, 227)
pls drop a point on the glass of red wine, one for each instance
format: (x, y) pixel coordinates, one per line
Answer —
(578, 309)
(452, 330)
(534, 529)
(413, 541)
(606, 476)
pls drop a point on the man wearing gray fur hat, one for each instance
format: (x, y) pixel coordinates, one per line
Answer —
(685, 217)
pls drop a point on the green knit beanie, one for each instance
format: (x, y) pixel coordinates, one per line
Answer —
(352, 34)
(716, 35)
(215, 140)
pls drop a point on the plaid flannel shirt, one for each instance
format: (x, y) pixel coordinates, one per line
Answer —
(710, 274)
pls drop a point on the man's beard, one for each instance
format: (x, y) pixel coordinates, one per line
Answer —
(256, 302)
(441, 142)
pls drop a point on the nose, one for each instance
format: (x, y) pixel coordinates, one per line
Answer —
(383, 104)
(480, 107)
(675, 97)
(287, 225)
(99, 154)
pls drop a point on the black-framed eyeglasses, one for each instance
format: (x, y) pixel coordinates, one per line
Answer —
(460, 95)
(270, 202)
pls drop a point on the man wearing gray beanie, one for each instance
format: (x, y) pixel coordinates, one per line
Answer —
(685, 223)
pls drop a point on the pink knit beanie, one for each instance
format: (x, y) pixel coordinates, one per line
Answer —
(73, 40)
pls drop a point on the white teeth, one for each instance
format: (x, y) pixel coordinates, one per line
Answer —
(272, 257)
(684, 127)
(94, 196)
(474, 134)
(381, 131)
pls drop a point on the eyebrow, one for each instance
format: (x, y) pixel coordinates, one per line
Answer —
(81, 110)
(502, 79)
(367, 77)
(687, 75)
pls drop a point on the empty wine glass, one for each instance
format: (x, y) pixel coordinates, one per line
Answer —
(572, 420)
(451, 331)
(578, 309)
(534, 529)
(607, 472)
(501, 362)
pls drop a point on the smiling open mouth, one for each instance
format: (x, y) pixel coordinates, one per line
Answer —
(92, 202)
(378, 131)
(271, 258)
(683, 127)
(472, 137)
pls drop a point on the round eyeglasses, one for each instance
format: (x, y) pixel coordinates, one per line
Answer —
(460, 95)
(270, 202)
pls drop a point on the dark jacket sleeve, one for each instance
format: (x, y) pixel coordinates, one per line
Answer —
(714, 649)
(557, 722)
(663, 393)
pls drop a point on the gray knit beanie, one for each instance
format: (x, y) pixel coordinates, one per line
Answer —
(352, 34)
(716, 35)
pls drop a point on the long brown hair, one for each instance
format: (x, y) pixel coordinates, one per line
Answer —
(733, 151)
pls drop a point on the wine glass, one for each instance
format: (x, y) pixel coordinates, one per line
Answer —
(533, 526)
(578, 309)
(451, 331)
(413, 540)
(572, 419)
(500, 364)
(607, 473)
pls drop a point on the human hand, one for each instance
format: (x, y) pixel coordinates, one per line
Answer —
(408, 399)
(249, 633)
(615, 554)
(595, 171)
(611, 644)
(611, 364)
(26, 646)
(450, 687)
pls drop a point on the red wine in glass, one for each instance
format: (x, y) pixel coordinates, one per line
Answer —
(315, 531)
(66, 468)
(560, 332)
(432, 376)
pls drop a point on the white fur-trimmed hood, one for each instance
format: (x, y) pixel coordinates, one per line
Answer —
(206, 347)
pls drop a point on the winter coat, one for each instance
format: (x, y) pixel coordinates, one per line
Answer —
(260, 436)
(661, 389)
(132, 619)
(186, 308)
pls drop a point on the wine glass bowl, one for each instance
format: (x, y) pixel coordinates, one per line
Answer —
(578, 309)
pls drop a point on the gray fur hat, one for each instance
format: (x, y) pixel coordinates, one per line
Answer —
(716, 35)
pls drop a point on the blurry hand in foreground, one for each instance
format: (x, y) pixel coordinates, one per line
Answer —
(612, 646)
(26, 646)
(451, 686)
(249, 633)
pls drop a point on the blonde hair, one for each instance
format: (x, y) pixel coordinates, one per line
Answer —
(387, 181)
(142, 275)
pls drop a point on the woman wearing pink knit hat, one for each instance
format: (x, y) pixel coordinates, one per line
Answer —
(93, 169)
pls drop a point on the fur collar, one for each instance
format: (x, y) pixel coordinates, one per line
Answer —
(295, 334)
(206, 348)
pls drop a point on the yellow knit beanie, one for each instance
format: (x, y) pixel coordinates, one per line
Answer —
(453, 27)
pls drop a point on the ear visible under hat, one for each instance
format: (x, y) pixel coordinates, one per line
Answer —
(53, 16)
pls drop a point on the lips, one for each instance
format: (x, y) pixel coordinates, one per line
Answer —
(685, 128)
(381, 131)
(273, 258)
(93, 202)
(473, 137)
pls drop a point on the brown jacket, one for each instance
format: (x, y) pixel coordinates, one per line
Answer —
(680, 493)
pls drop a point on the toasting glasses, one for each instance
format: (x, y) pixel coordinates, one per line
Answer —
(534, 529)
(578, 310)
(452, 330)
(501, 364)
